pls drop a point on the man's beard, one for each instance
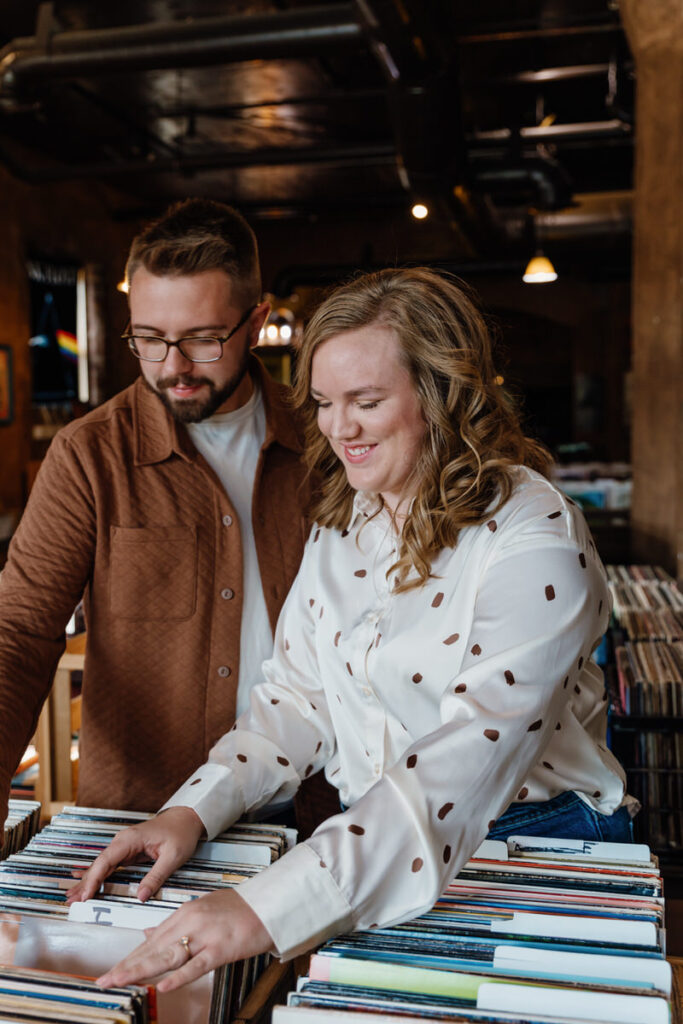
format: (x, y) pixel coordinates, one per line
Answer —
(192, 410)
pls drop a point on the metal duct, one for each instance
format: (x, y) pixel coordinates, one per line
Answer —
(200, 41)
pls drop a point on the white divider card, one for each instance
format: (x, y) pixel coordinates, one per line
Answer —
(119, 915)
(565, 926)
(578, 849)
(610, 1007)
(606, 969)
(491, 849)
(232, 853)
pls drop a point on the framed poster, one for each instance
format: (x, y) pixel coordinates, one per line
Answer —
(6, 396)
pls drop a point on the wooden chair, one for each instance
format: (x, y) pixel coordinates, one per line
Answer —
(59, 719)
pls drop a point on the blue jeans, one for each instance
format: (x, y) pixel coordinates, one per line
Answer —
(566, 816)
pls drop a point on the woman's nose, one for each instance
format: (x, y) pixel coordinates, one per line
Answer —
(343, 424)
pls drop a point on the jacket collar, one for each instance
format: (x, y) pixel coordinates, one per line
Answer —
(158, 436)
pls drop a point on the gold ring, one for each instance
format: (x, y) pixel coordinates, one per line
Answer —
(184, 941)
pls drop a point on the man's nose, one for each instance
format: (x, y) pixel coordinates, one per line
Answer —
(176, 362)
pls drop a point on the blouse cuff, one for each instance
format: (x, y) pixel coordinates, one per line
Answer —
(298, 901)
(214, 794)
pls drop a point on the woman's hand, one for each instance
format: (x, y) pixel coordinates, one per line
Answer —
(169, 839)
(201, 935)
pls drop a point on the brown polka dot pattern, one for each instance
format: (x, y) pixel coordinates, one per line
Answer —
(554, 515)
(242, 758)
(274, 700)
(309, 769)
(438, 599)
(577, 689)
(564, 684)
(416, 865)
(597, 793)
(360, 573)
(493, 526)
(535, 726)
(283, 761)
(443, 811)
(335, 772)
(311, 602)
(451, 639)
(600, 607)
(323, 864)
(356, 830)
(550, 592)
(319, 745)
(321, 613)
(312, 705)
(286, 645)
(491, 734)
(547, 764)
(316, 538)
(379, 637)
(446, 853)
(345, 533)
(349, 669)
(582, 560)
(412, 761)
(476, 649)
(336, 638)
(460, 688)
(195, 782)
(509, 678)
(524, 792)
(558, 726)
(417, 678)
(492, 823)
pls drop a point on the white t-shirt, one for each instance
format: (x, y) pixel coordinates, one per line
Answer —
(231, 443)
(431, 710)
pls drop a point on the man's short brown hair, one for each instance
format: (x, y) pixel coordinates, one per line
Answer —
(196, 235)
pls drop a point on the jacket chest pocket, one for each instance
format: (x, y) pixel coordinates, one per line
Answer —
(153, 572)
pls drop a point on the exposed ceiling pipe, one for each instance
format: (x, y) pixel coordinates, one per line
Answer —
(555, 132)
(548, 181)
(183, 43)
(540, 33)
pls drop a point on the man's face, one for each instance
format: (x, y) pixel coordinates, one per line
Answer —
(201, 305)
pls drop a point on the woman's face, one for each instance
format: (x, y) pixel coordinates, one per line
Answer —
(369, 411)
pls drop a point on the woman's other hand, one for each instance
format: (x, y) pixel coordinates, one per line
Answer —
(198, 937)
(169, 839)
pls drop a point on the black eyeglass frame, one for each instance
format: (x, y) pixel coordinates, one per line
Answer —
(130, 338)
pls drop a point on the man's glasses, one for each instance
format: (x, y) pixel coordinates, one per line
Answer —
(196, 349)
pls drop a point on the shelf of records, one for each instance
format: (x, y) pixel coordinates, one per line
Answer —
(645, 680)
(49, 950)
(531, 931)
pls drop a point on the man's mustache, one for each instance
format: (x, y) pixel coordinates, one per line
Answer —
(164, 383)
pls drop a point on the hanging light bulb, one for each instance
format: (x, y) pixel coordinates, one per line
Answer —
(539, 270)
(420, 211)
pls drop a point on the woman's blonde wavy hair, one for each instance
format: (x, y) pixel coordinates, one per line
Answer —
(473, 435)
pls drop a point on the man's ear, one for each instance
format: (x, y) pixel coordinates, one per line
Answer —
(256, 322)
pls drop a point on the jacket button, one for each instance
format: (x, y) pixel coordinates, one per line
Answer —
(227, 593)
(224, 671)
(227, 520)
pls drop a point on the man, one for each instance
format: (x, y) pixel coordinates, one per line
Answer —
(176, 509)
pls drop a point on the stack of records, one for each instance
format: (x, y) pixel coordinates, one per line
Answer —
(32, 995)
(532, 931)
(23, 819)
(650, 675)
(647, 602)
(39, 930)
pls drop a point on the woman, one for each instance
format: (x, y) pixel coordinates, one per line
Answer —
(433, 657)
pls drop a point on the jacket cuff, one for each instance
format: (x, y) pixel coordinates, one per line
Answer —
(213, 792)
(298, 901)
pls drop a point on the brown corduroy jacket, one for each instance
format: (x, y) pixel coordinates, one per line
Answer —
(126, 512)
